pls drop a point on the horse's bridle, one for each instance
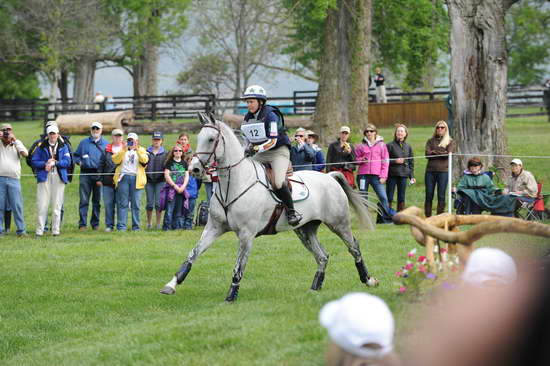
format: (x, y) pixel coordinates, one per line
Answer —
(212, 153)
(206, 166)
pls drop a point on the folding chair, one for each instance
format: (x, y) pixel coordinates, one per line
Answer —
(532, 211)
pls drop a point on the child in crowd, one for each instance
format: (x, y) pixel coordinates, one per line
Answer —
(173, 197)
(193, 193)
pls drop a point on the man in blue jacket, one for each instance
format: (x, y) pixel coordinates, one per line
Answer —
(88, 156)
(302, 155)
(50, 161)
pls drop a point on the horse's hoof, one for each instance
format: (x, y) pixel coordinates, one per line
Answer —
(372, 282)
(167, 290)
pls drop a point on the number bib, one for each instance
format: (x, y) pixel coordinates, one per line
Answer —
(254, 131)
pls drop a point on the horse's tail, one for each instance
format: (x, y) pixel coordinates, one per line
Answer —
(359, 203)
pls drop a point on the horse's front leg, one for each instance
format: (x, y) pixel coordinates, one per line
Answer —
(212, 231)
(242, 258)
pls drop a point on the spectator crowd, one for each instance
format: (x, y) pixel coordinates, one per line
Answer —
(115, 173)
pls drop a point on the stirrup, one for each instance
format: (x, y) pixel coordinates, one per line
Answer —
(293, 217)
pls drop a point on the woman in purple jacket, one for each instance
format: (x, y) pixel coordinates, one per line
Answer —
(373, 169)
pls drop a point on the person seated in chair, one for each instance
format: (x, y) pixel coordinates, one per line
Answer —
(521, 183)
(479, 193)
(263, 127)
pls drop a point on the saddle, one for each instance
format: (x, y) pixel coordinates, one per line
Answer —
(298, 189)
(295, 184)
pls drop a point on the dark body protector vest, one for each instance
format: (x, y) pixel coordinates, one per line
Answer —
(268, 124)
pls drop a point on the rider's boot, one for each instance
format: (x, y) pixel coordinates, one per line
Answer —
(284, 195)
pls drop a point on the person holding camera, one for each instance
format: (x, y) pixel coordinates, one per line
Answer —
(130, 179)
(11, 149)
(88, 155)
(302, 155)
(51, 160)
(341, 156)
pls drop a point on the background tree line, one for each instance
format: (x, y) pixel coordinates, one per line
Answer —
(231, 43)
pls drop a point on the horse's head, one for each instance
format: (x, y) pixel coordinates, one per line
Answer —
(210, 142)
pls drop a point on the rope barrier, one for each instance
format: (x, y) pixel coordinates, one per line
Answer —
(355, 162)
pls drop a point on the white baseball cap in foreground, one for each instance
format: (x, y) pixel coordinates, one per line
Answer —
(489, 266)
(360, 323)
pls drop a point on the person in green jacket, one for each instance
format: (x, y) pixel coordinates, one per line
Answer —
(479, 193)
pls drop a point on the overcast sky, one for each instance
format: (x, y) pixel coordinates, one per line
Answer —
(118, 83)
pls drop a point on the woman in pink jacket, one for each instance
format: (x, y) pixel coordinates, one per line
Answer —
(373, 169)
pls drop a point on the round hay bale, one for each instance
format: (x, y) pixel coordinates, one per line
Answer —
(80, 123)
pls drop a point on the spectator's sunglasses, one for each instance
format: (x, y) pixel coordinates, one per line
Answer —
(95, 128)
(440, 127)
(6, 129)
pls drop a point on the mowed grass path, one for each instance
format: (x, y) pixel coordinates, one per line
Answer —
(92, 297)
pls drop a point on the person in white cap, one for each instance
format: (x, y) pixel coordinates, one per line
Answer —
(361, 330)
(88, 155)
(521, 183)
(341, 155)
(489, 267)
(11, 150)
(51, 160)
(130, 179)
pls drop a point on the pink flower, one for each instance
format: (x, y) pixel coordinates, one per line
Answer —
(422, 258)
(422, 268)
(398, 273)
(409, 266)
(402, 289)
(443, 250)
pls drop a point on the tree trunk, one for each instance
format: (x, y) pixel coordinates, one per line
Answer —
(151, 72)
(344, 69)
(360, 41)
(83, 89)
(327, 118)
(63, 84)
(479, 78)
(139, 70)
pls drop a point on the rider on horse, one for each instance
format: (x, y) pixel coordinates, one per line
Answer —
(264, 129)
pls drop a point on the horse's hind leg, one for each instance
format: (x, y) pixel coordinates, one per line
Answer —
(308, 235)
(210, 233)
(343, 230)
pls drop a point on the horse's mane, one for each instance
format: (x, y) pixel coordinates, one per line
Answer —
(231, 133)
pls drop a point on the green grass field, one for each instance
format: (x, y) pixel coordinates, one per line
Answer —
(92, 297)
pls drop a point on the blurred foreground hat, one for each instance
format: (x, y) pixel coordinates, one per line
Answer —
(157, 135)
(517, 162)
(133, 136)
(117, 132)
(489, 266)
(360, 323)
(96, 124)
(345, 129)
(6, 125)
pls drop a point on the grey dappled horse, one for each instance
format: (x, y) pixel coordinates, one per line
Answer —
(242, 203)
